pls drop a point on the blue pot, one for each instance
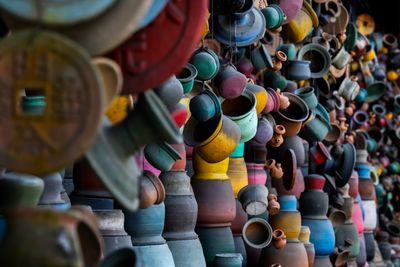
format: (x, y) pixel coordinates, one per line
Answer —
(288, 202)
(322, 235)
(238, 152)
(363, 170)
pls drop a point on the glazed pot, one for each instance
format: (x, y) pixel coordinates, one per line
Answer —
(348, 231)
(254, 199)
(319, 57)
(237, 173)
(322, 235)
(257, 233)
(19, 190)
(215, 241)
(308, 95)
(273, 15)
(206, 62)
(43, 228)
(298, 70)
(256, 174)
(170, 92)
(215, 139)
(294, 255)
(145, 226)
(229, 82)
(111, 226)
(228, 260)
(242, 111)
(205, 106)
(216, 202)
(260, 58)
(209, 171)
(162, 155)
(292, 117)
(186, 76)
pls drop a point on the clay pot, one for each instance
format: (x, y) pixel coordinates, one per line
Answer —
(217, 142)
(239, 221)
(322, 261)
(288, 219)
(260, 58)
(273, 204)
(206, 62)
(229, 82)
(362, 256)
(257, 233)
(369, 245)
(336, 216)
(308, 95)
(215, 201)
(367, 189)
(264, 132)
(245, 66)
(155, 255)
(237, 173)
(349, 88)
(205, 106)
(261, 96)
(274, 79)
(214, 241)
(294, 143)
(279, 59)
(294, 255)
(186, 76)
(298, 70)
(289, 49)
(254, 199)
(292, 117)
(170, 92)
(319, 57)
(121, 257)
(256, 174)
(275, 169)
(273, 15)
(75, 233)
(357, 217)
(277, 138)
(242, 111)
(322, 235)
(209, 171)
(319, 154)
(279, 239)
(179, 164)
(151, 190)
(19, 190)
(313, 204)
(188, 251)
(228, 260)
(111, 226)
(354, 184)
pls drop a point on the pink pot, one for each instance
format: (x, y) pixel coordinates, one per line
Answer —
(256, 173)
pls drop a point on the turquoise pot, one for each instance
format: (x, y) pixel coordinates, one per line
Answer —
(375, 91)
(155, 255)
(273, 15)
(289, 50)
(260, 58)
(238, 152)
(275, 80)
(162, 155)
(186, 76)
(322, 235)
(228, 260)
(316, 130)
(348, 231)
(215, 241)
(363, 170)
(288, 202)
(206, 62)
(362, 94)
(308, 95)
(187, 252)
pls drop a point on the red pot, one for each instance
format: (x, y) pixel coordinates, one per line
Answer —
(314, 182)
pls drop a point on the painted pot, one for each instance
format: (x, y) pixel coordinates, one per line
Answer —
(296, 181)
(292, 142)
(151, 190)
(322, 235)
(186, 76)
(319, 57)
(261, 96)
(237, 173)
(369, 245)
(254, 198)
(215, 139)
(294, 255)
(170, 92)
(313, 204)
(229, 82)
(242, 111)
(180, 164)
(289, 50)
(316, 128)
(362, 256)
(228, 260)
(204, 170)
(257, 233)
(298, 70)
(240, 220)
(304, 237)
(205, 106)
(341, 58)
(256, 174)
(215, 241)
(216, 202)
(206, 62)
(360, 119)
(273, 15)
(161, 155)
(357, 217)
(322, 261)
(319, 154)
(292, 117)
(19, 190)
(375, 91)
(288, 219)
(367, 189)
(264, 132)
(308, 95)
(155, 255)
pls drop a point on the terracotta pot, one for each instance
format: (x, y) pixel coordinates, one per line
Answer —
(279, 239)
(44, 227)
(229, 82)
(277, 138)
(179, 164)
(347, 208)
(215, 201)
(254, 198)
(273, 102)
(294, 255)
(256, 174)
(273, 204)
(275, 169)
(237, 173)
(257, 233)
(214, 241)
(151, 190)
(292, 117)
(242, 111)
(215, 139)
(336, 216)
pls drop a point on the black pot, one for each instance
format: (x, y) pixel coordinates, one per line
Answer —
(314, 204)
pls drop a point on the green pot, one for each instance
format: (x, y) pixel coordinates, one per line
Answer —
(186, 76)
(289, 50)
(206, 62)
(162, 155)
(275, 80)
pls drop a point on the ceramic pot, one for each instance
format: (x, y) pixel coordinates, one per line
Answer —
(170, 92)
(205, 106)
(180, 206)
(111, 226)
(260, 58)
(151, 190)
(186, 76)
(215, 241)
(297, 183)
(336, 216)
(357, 217)
(322, 235)
(277, 138)
(256, 174)
(179, 114)
(19, 190)
(254, 199)
(122, 257)
(288, 219)
(304, 237)
(319, 154)
(237, 173)
(239, 221)
(217, 142)
(316, 128)
(369, 245)
(187, 252)
(215, 201)
(278, 239)
(228, 260)
(360, 119)
(341, 58)
(319, 57)
(51, 196)
(209, 171)
(348, 231)
(308, 95)
(245, 66)
(294, 254)
(292, 117)
(298, 70)
(257, 233)
(273, 15)
(242, 111)
(43, 228)
(264, 132)
(180, 164)
(347, 208)
(273, 205)
(229, 82)
(353, 184)
(206, 62)
(362, 256)
(289, 50)
(155, 255)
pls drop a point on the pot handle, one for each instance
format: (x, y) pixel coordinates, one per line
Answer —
(311, 12)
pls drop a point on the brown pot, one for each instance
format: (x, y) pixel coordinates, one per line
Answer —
(275, 169)
(273, 204)
(367, 189)
(277, 138)
(257, 233)
(278, 239)
(151, 190)
(294, 255)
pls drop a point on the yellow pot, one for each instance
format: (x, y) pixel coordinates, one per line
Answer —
(369, 55)
(261, 96)
(204, 170)
(289, 222)
(299, 27)
(237, 173)
(119, 107)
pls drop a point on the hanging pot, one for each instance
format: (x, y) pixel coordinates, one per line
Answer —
(170, 92)
(206, 62)
(205, 106)
(186, 76)
(229, 82)
(274, 79)
(161, 155)
(319, 57)
(260, 58)
(274, 16)
(209, 171)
